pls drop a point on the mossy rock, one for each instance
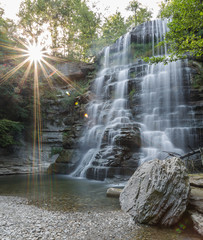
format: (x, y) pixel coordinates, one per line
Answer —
(58, 168)
(65, 156)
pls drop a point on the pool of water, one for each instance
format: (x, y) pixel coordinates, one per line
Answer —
(59, 192)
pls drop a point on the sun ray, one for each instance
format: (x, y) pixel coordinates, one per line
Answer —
(35, 55)
(13, 71)
(13, 57)
(62, 76)
(25, 76)
(37, 143)
(57, 59)
(13, 48)
(46, 75)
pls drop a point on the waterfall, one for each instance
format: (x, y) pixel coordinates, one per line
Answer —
(139, 110)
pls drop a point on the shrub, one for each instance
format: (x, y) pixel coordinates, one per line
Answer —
(8, 132)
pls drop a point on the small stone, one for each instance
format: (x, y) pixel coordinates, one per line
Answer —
(113, 192)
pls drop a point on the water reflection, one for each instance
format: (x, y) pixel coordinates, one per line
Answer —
(58, 192)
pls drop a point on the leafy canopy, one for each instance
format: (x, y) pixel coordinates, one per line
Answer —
(140, 15)
(185, 29)
(70, 23)
(113, 27)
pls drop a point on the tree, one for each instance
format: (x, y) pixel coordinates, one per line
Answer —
(70, 23)
(186, 27)
(113, 27)
(140, 14)
(6, 28)
(185, 34)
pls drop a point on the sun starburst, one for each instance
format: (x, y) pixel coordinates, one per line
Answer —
(34, 56)
(35, 53)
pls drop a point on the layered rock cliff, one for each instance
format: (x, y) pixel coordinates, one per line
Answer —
(62, 122)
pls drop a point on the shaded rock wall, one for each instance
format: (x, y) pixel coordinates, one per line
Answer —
(61, 127)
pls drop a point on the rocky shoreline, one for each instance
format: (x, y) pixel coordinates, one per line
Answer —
(19, 220)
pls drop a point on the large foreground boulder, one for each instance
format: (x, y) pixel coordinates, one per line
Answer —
(157, 193)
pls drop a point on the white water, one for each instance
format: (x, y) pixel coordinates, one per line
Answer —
(107, 116)
(164, 127)
(165, 118)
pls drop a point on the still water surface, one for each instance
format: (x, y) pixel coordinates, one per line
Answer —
(59, 192)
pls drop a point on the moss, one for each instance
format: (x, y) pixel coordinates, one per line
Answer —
(197, 79)
(65, 156)
(131, 94)
(8, 132)
(55, 150)
(141, 50)
(79, 90)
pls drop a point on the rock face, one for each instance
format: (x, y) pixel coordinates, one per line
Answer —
(62, 126)
(196, 208)
(196, 201)
(157, 193)
(197, 219)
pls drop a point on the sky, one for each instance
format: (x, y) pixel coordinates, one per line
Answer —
(11, 7)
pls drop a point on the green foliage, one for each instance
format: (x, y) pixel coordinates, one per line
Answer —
(8, 131)
(55, 150)
(70, 100)
(113, 27)
(15, 103)
(71, 24)
(164, 59)
(79, 90)
(197, 79)
(140, 14)
(48, 93)
(131, 94)
(141, 50)
(6, 29)
(185, 35)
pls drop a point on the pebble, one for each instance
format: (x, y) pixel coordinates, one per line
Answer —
(21, 221)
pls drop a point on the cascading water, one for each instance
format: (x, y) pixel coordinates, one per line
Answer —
(166, 124)
(110, 117)
(122, 132)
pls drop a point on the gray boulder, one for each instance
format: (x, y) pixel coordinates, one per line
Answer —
(157, 192)
(196, 199)
(197, 219)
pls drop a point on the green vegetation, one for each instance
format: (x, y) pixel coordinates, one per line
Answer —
(131, 94)
(48, 93)
(113, 27)
(8, 132)
(186, 29)
(197, 79)
(77, 32)
(55, 150)
(140, 14)
(70, 23)
(79, 90)
(15, 103)
(141, 50)
(6, 28)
